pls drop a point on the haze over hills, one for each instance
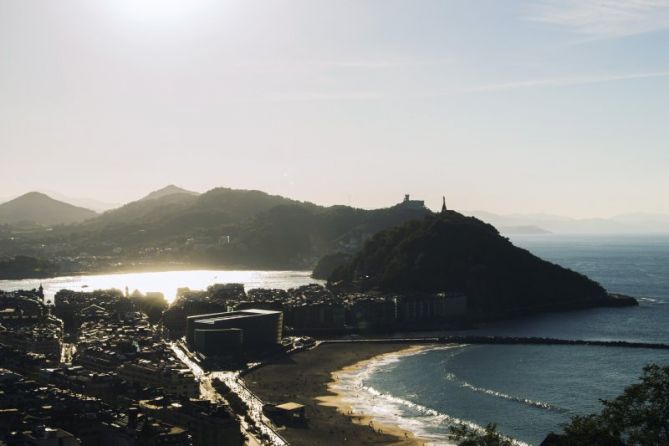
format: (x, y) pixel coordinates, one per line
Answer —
(235, 228)
(172, 208)
(35, 208)
(523, 230)
(91, 203)
(246, 228)
(166, 191)
(632, 223)
(221, 227)
(175, 203)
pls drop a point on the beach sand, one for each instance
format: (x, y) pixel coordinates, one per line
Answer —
(307, 378)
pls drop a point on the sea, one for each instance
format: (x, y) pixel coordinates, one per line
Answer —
(527, 391)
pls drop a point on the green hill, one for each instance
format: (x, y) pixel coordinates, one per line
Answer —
(35, 208)
(451, 252)
(21, 267)
(222, 228)
(173, 214)
(287, 236)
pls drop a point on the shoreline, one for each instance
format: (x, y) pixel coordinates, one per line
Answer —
(306, 378)
(150, 268)
(339, 399)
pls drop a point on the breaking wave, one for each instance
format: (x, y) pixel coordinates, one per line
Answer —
(422, 421)
(651, 300)
(494, 393)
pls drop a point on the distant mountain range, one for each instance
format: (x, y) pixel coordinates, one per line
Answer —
(221, 227)
(35, 208)
(173, 209)
(632, 223)
(168, 190)
(84, 202)
(178, 206)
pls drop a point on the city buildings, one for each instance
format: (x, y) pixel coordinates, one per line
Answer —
(430, 307)
(253, 327)
(210, 424)
(27, 325)
(172, 380)
(44, 338)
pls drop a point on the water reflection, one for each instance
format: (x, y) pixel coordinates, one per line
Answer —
(164, 282)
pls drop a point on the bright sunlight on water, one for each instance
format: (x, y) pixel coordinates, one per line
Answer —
(164, 282)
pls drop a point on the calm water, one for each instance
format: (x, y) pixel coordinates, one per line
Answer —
(532, 390)
(164, 282)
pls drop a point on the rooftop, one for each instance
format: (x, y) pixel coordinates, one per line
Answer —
(212, 317)
(291, 406)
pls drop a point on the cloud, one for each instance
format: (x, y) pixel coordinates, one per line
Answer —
(602, 19)
(550, 82)
(564, 81)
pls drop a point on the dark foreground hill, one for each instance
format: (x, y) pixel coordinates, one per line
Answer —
(35, 208)
(451, 252)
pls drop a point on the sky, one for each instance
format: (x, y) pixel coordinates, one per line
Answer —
(506, 106)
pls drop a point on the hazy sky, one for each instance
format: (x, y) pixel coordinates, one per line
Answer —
(508, 106)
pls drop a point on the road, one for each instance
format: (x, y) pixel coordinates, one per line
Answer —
(264, 425)
(231, 379)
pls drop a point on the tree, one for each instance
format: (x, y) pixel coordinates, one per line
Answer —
(467, 436)
(640, 416)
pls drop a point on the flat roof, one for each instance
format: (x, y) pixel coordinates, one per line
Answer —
(222, 318)
(211, 317)
(218, 330)
(290, 406)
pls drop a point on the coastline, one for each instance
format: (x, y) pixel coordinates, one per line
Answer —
(307, 378)
(166, 267)
(340, 397)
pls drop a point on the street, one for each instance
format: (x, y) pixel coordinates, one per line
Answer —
(268, 436)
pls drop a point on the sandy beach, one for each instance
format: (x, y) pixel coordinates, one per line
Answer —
(309, 377)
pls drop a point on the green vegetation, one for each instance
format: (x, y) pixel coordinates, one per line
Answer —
(220, 228)
(329, 263)
(236, 403)
(467, 436)
(451, 252)
(20, 267)
(640, 416)
(173, 212)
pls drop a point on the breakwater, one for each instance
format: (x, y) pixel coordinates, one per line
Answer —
(504, 340)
